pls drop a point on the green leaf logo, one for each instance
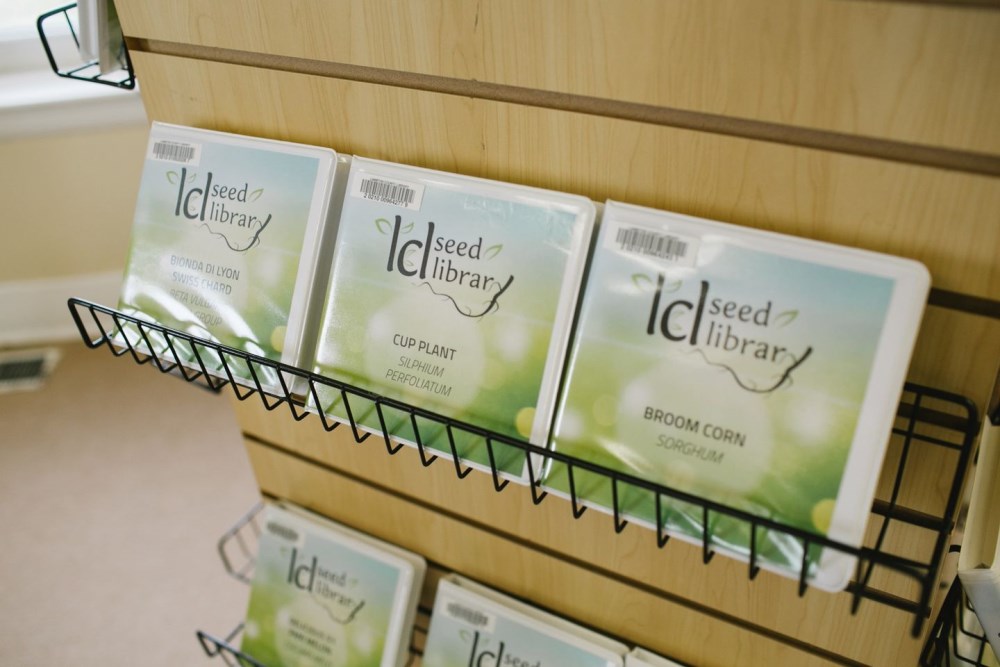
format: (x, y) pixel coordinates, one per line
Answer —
(255, 195)
(383, 226)
(672, 286)
(191, 177)
(785, 318)
(406, 229)
(410, 252)
(464, 634)
(642, 281)
(493, 251)
(172, 176)
(645, 284)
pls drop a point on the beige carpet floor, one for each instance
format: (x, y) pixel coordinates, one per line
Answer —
(115, 484)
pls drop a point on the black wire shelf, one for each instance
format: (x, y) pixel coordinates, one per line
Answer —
(957, 638)
(238, 551)
(72, 65)
(927, 418)
(225, 648)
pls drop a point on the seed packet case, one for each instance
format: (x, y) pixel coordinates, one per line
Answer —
(472, 624)
(753, 369)
(227, 237)
(454, 295)
(324, 594)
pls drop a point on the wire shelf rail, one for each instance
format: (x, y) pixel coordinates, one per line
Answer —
(73, 66)
(957, 638)
(927, 417)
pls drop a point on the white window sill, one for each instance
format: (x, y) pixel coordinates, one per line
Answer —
(35, 101)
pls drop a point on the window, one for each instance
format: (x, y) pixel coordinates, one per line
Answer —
(18, 14)
(33, 100)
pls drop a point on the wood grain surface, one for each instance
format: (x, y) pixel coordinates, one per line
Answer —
(867, 124)
(919, 74)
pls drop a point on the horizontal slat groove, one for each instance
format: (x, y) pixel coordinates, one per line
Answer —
(883, 149)
(960, 4)
(965, 303)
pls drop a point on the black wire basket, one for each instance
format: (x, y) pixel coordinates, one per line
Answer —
(926, 418)
(238, 551)
(956, 637)
(72, 65)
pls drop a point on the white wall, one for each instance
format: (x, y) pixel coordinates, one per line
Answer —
(70, 159)
(68, 202)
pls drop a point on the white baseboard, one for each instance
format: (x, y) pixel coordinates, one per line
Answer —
(35, 311)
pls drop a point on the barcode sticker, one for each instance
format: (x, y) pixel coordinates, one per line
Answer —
(397, 193)
(175, 151)
(285, 533)
(653, 243)
(475, 618)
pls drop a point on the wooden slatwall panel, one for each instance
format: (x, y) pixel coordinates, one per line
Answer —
(877, 204)
(918, 74)
(870, 124)
(766, 610)
(456, 543)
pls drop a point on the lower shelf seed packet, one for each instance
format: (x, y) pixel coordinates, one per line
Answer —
(474, 625)
(324, 595)
(454, 295)
(754, 370)
(227, 236)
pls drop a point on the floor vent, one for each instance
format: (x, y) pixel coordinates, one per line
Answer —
(26, 370)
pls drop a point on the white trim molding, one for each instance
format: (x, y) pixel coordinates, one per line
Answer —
(34, 311)
(35, 101)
